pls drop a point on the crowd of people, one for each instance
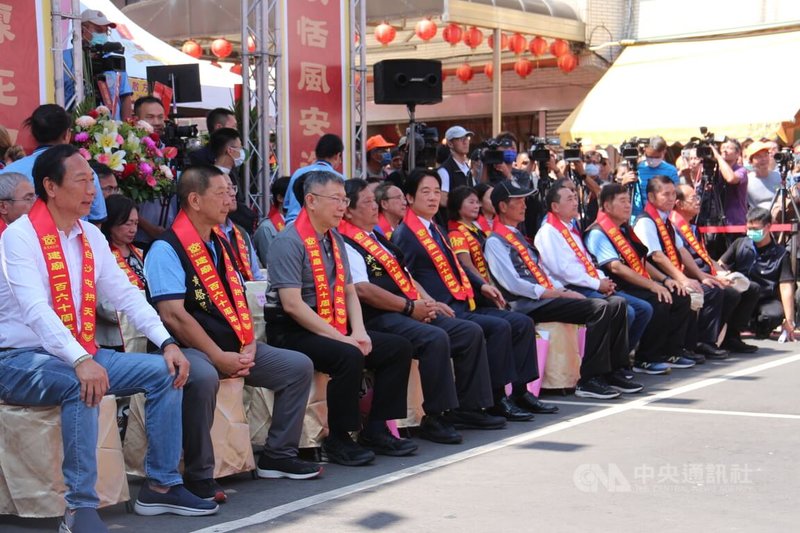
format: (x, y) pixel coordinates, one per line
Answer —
(450, 266)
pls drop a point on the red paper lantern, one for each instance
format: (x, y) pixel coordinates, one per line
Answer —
(517, 43)
(538, 46)
(567, 62)
(488, 69)
(503, 41)
(523, 67)
(191, 48)
(385, 33)
(464, 73)
(221, 48)
(559, 47)
(473, 37)
(452, 34)
(426, 29)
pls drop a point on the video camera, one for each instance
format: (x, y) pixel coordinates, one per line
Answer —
(184, 138)
(490, 153)
(703, 146)
(786, 160)
(425, 141)
(572, 152)
(107, 57)
(539, 150)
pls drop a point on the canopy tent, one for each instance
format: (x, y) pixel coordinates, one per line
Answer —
(735, 86)
(142, 49)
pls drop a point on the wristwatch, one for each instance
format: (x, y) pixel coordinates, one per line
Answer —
(170, 340)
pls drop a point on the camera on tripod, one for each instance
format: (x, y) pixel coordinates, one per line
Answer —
(786, 159)
(490, 153)
(539, 150)
(572, 152)
(184, 138)
(703, 146)
(424, 141)
(106, 57)
(632, 149)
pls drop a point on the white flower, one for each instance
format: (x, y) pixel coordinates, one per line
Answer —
(85, 122)
(145, 126)
(103, 110)
(166, 171)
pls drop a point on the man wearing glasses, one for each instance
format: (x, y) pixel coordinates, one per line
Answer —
(244, 253)
(16, 198)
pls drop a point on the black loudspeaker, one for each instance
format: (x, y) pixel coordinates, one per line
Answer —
(408, 81)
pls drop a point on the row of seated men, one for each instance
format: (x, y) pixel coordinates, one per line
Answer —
(341, 298)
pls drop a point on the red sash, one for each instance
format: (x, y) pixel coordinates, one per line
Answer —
(332, 310)
(688, 236)
(462, 240)
(483, 223)
(612, 231)
(459, 287)
(663, 234)
(242, 254)
(237, 314)
(387, 260)
(385, 226)
(567, 234)
(133, 277)
(276, 217)
(502, 230)
(60, 284)
(3, 226)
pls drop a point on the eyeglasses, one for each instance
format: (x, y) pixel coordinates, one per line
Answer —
(342, 201)
(28, 198)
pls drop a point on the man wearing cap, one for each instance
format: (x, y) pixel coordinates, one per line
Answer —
(761, 181)
(455, 170)
(378, 156)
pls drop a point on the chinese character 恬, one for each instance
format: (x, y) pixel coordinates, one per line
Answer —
(5, 23)
(313, 77)
(314, 121)
(312, 32)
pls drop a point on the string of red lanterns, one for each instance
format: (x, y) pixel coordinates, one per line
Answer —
(426, 29)
(385, 33)
(473, 37)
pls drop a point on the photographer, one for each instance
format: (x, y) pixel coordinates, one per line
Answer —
(216, 119)
(735, 176)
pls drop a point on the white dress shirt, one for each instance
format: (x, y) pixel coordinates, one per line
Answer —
(26, 307)
(647, 232)
(502, 269)
(560, 260)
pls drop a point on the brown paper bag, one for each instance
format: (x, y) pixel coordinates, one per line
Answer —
(414, 403)
(563, 366)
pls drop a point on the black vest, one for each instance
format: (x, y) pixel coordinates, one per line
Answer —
(196, 300)
(457, 177)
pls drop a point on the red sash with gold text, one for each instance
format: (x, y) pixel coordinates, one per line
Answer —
(462, 240)
(688, 235)
(240, 249)
(663, 234)
(133, 277)
(237, 314)
(483, 223)
(502, 230)
(60, 284)
(567, 234)
(612, 231)
(458, 285)
(276, 217)
(387, 260)
(332, 310)
(385, 226)
(3, 226)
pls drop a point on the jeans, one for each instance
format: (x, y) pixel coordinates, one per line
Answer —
(30, 376)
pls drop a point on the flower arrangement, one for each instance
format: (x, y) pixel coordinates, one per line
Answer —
(131, 150)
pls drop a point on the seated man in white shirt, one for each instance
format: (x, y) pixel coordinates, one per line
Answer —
(54, 269)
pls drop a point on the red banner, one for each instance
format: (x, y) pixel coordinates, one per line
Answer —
(314, 62)
(22, 67)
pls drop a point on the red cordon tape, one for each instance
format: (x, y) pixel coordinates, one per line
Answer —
(776, 228)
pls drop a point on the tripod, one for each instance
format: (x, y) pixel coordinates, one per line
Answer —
(784, 199)
(583, 192)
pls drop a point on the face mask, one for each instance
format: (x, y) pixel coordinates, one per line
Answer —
(653, 162)
(592, 169)
(237, 161)
(509, 156)
(756, 234)
(99, 38)
(386, 159)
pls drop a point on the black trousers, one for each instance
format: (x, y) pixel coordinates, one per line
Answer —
(706, 323)
(768, 316)
(665, 334)
(435, 344)
(390, 360)
(606, 329)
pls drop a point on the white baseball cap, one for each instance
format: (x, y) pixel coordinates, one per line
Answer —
(96, 17)
(456, 132)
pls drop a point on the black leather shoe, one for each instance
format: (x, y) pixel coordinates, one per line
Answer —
(384, 443)
(697, 357)
(737, 345)
(436, 429)
(711, 352)
(474, 419)
(532, 404)
(345, 452)
(509, 410)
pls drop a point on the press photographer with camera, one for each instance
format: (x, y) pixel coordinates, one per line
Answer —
(735, 176)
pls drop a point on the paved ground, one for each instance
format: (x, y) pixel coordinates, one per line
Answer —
(713, 447)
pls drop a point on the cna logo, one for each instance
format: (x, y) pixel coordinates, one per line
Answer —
(595, 477)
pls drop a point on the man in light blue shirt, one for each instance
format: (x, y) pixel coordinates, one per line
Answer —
(329, 156)
(653, 165)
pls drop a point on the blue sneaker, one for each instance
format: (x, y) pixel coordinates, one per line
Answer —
(678, 361)
(177, 500)
(82, 520)
(641, 367)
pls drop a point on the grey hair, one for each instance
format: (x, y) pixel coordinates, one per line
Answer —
(9, 183)
(319, 178)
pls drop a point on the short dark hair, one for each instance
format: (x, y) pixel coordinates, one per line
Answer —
(279, 188)
(353, 188)
(456, 198)
(145, 100)
(100, 169)
(656, 182)
(119, 209)
(219, 139)
(195, 178)
(50, 164)
(48, 123)
(610, 191)
(759, 214)
(328, 146)
(553, 195)
(413, 180)
(218, 117)
(482, 188)
(507, 136)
